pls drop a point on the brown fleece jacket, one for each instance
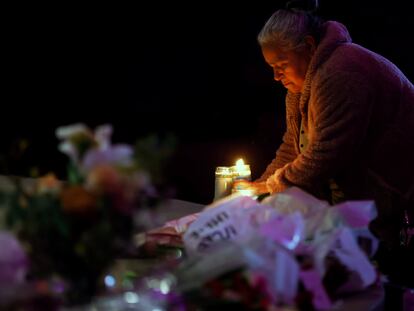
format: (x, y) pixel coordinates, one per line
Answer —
(357, 110)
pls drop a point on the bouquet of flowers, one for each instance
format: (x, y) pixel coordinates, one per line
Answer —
(74, 229)
(290, 250)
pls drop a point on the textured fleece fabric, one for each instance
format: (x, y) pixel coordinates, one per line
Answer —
(357, 109)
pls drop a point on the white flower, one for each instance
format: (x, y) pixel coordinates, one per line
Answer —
(103, 135)
(66, 132)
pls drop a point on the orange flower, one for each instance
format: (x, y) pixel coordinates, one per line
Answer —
(48, 183)
(104, 178)
(76, 199)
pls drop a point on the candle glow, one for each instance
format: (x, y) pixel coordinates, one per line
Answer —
(226, 176)
(239, 163)
(242, 171)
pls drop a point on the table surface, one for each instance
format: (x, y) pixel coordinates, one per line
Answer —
(175, 208)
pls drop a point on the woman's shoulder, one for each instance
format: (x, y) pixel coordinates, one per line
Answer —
(352, 62)
(355, 59)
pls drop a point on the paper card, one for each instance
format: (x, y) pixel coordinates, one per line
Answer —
(234, 220)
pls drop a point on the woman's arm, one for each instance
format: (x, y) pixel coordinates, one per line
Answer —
(286, 152)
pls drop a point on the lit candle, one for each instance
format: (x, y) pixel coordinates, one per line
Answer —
(241, 170)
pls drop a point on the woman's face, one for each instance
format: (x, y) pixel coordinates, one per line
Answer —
(288, 67)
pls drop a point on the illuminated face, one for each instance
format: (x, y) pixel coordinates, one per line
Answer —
(288, 67)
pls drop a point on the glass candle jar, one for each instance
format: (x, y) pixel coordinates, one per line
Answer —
(223, 182)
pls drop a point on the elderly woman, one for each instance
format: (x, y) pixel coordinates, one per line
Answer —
(349, 116)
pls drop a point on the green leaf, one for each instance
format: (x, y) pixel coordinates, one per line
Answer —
(74, 175)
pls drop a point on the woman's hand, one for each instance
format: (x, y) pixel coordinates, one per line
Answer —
(276, 182)
(257, 187)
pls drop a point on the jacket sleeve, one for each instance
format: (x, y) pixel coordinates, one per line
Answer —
(286, 152)
(341, 110)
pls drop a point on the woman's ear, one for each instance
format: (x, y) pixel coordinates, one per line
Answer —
(311, 44)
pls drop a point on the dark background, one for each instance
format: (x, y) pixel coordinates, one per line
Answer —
(192, 70)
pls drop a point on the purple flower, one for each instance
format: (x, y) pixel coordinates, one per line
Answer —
(120, 155)
(13, 260)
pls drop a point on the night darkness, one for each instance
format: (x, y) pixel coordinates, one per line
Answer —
(192, 70)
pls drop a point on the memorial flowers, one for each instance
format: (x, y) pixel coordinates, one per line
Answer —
(74, 229)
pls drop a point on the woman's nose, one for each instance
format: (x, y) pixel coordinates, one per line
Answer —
(277, 75)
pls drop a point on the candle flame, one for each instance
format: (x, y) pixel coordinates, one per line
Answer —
(242, 170)
(239, 162)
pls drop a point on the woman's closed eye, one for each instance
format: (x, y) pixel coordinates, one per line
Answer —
(280, 67)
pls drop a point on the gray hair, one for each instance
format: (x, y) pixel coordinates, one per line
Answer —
(287, 29)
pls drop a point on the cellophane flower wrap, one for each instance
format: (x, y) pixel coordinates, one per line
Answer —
(74, 229)
(290, 249)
